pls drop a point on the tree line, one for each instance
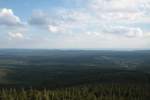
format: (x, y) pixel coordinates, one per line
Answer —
(85, 92)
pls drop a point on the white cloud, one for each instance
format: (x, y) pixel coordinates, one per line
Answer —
(62, 21)
(8, 18)
(53, 29)
(75, 16)
(131, 32)
(119, 16)
(15, 35)
(120, 10)
(102, 21)
(135, 32)
(147, 34)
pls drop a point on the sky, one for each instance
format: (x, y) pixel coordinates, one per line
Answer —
(75, 24)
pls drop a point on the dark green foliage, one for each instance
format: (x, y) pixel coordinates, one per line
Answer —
(88, 92)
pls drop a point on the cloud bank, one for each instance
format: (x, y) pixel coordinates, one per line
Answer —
(97, 24)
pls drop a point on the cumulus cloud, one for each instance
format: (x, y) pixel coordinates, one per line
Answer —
(55, 29)
(15, 35)
(42, 20)
(99, 21)
(8, 18)
(62, 21)
(99, 14)
(119, 10)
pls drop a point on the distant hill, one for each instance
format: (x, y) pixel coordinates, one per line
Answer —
(59, 68)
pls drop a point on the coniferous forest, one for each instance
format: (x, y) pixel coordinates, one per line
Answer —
(88, 92)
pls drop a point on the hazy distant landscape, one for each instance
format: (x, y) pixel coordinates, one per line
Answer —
(74, 74)
(62, 68)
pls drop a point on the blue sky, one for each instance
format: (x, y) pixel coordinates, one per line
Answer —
(75, 24)
(24, 8)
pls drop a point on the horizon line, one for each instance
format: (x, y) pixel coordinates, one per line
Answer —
(95, 49)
